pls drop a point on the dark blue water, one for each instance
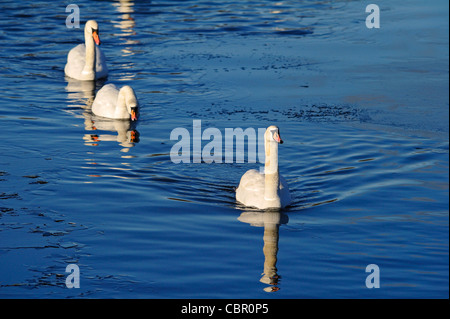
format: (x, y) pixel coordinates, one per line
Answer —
(363, 113)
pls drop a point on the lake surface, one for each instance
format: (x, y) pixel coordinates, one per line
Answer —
(363, 114)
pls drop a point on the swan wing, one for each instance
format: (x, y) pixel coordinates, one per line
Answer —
(251, 188)
(251, 191)
(101, 69)
(76, 59)
(285, 195)
(105, 101)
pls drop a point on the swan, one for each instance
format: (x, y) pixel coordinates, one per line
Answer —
(116, 104)
(268, 189)
(86, 61)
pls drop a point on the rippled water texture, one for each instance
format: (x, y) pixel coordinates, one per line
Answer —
(363, 114)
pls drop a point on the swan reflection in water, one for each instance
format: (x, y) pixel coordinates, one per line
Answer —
(127, 135)
(271, 221)
(82, 94)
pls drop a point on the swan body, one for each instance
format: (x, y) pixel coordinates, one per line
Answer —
(86, 61)
(113, 103)
(268, 189)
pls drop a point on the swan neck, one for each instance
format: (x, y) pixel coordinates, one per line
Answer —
(90, 53)
(121, 108)
(272, 177)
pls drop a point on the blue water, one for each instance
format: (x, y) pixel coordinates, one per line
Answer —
(363, 113)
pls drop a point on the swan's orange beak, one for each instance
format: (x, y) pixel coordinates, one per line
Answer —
(133, 115)
(96, 37)
(277, 138)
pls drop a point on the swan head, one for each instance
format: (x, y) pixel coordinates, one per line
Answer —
(131, 101)
(91, 29)
(273, 134)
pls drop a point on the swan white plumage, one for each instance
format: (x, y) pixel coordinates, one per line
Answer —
(116, 104)
(86, 61)
(268, 189)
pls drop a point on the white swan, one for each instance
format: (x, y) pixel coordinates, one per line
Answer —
(116, 104)
(268, 189)
(86, 61)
